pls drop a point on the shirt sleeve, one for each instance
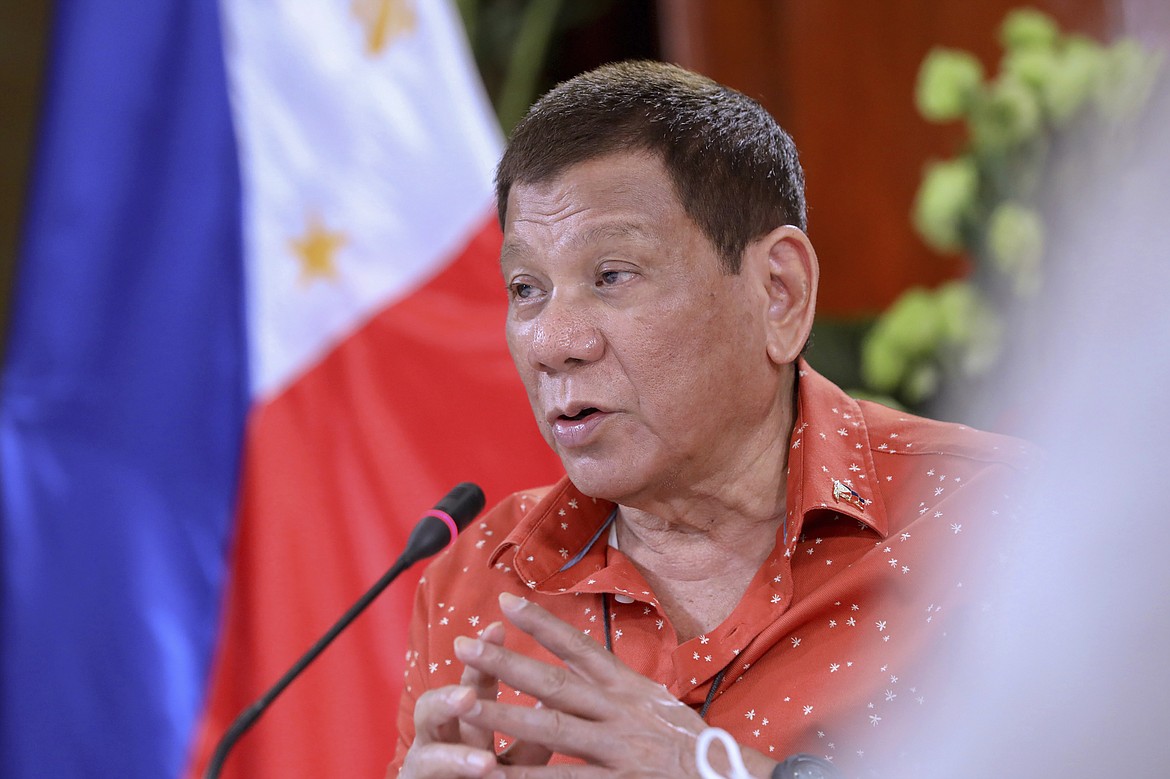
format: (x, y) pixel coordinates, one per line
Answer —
(415, 682)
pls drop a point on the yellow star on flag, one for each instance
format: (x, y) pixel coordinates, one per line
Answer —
(316, 249)
(384, 20)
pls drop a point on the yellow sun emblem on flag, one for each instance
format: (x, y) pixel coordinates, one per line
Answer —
(316, 250)
(384, 20)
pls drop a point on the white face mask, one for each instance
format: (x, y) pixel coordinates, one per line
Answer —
(703, 745)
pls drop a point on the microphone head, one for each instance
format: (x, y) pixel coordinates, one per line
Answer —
(433, 531)
(463, 503)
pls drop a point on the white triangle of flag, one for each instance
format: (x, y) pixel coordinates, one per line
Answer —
(367, 151)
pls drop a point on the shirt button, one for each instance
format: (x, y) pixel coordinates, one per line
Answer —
(623, 598)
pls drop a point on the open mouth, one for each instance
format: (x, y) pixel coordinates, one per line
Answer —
(582, 414)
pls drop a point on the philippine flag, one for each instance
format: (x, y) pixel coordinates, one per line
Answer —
(257, 329)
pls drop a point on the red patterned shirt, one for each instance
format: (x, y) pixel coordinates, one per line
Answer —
(824, 651)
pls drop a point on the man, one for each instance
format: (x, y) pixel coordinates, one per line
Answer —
(737, 542)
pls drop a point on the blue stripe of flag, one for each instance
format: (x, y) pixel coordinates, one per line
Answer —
(122, 398)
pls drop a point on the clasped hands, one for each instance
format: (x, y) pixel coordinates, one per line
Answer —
(594, 708)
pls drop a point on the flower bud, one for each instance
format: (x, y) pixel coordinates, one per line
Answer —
(1008, 115)
(1079, 69)
(945, 197)
(1015, 237)
(947, 82)
(1027, 28)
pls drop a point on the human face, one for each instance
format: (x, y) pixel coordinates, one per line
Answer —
(645, 364)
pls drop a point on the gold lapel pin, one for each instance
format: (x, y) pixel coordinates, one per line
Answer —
(843, 492)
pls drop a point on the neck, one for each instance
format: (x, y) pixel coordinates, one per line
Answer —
(716, 537)
(698, 575)
(700, 542)
(699, 547)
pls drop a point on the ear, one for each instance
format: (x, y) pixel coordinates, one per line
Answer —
(792, 277)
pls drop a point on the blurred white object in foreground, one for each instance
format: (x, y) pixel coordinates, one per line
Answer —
(1076, 682)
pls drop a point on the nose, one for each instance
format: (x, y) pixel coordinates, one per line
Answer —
(564, 335)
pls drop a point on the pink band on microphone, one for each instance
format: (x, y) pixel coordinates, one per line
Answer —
(443, 515)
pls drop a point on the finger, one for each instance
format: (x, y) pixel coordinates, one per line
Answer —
(556, 730)
(485, 687)
(559, 771)
(438, 761)
(521, 752)
(485, 684)
(436, 713)
(643, 745)
(554, 685)
(577, 650)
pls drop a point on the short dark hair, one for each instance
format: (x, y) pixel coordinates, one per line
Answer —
(735, 171)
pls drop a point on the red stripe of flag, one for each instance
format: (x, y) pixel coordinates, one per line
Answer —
(337, 468)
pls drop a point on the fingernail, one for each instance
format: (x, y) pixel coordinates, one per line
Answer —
(510, 602)
(466, 647)
(478, 761)
(459, 696)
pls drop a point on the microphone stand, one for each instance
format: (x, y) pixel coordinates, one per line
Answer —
(248, 716)
(436, 529)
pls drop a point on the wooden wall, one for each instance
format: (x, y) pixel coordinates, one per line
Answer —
(24, 32)
(839, 76)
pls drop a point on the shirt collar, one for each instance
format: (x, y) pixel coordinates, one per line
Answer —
(829, 444)
(830, 461)
(562, 526)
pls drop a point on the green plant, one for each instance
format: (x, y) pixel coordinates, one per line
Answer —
(995, 200)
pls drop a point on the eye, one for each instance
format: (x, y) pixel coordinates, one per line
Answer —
(521, 290)
(608, 278)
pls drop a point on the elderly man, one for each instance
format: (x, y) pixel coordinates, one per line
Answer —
(736, 542)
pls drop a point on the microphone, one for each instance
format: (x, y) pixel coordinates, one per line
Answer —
(437, 528)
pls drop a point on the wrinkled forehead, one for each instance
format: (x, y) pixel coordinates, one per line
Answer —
(617, 197)
(622, 179)
(588, 170)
